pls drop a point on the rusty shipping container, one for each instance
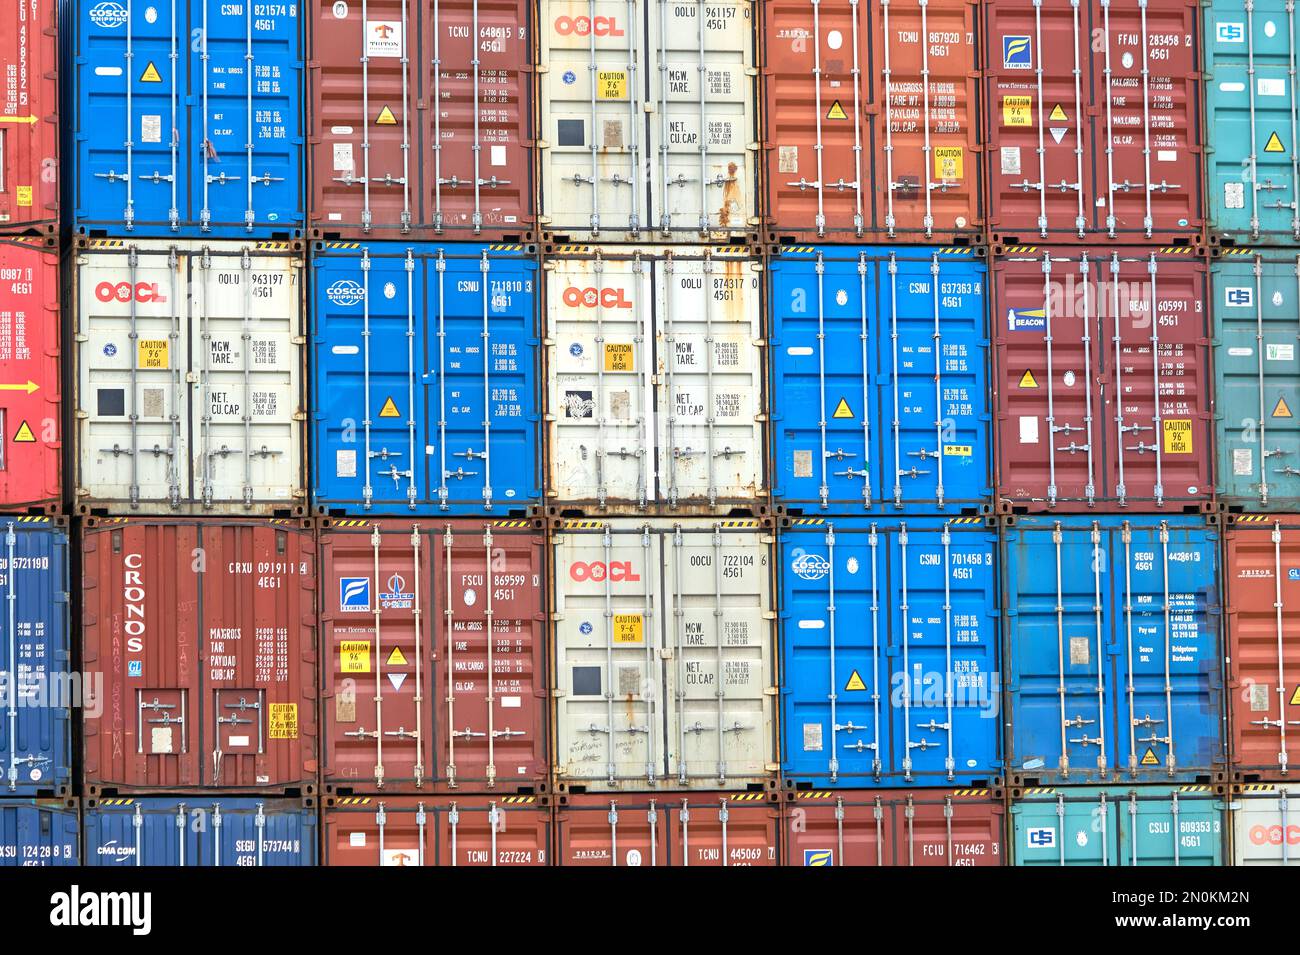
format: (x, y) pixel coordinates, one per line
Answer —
(205, 634)
(29, 117)
(435, 672)
(1094, 126)
(455, 830)
(873, 122)
(893, 827)
(421, 119)
(703, 829)
(1102, 399)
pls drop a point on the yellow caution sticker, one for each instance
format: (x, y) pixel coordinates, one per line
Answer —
(1282, 409)
(956, 450)
(1178, 435)
(386, 118)
(1027, 380)
(836, 111)
(1058, 115)
(611, 84)
(628, 628)
(948, 162)
(855, 682)
(284, 721)
(1274, 145)
(1149, 758)
(396, 658)
(842, 410)
(618, 356)
(389, 410)
(151, 74)
(354, 656)
(24, 434)
(1017, 110)
(151, 353)
(1295, 697)
(23, 195)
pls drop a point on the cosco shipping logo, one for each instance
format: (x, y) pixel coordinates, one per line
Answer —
(810, 566)
(108, 15)
(346, 292)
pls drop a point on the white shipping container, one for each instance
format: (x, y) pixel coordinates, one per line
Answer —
(189, 377)
(1266, 825)
(648, 119)
(664, 636)
(655, 377)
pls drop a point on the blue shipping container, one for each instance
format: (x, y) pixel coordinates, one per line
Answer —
(1251, 155)
(186, 118)
(200, 831)
(1113, 649)
(879, 380)
(1117, 825)
(400, 380)
(35, 750)
(889, 652)
(38, 832)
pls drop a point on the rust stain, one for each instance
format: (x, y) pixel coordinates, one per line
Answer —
(730, 196)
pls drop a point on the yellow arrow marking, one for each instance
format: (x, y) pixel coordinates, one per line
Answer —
(29, 120)
(29, 387)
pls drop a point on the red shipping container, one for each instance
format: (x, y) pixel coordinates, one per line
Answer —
(894, 827)
(1078, 424)
(703, 829)
(421, 120)
(1261, 576)
(29, 117)
(205, 634)
(437, 831)
(416, 696)
(1093, 114)
(31, 431)
(844, 161)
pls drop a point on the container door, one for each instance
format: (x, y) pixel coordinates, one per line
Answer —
(511, 831)
(737, 830)
(1266, 826)
(616, 832)
(1182, 828)
(126, 832)
(38, 834)
(1050, 830)
(248, 833)
(29, 130)
(963, 828)
(822, 829)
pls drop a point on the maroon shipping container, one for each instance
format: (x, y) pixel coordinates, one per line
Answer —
(1078, 423)
(1093, 113)
(421, 119)
(437, 830)
(29, 117)
(416, 696)
(205, 634)
(1261, 576)
(703, 829)
(894, 827)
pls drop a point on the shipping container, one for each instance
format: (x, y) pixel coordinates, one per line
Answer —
(439, 831)
(1094, 121)
(385, 163)
(1118, 826)
(649, 124)
(31, 383)
(703, 829)
(205, 633)
(889, 652)
(1102, 386)
(1254, 298)
(1251, 122)
(189, 377)
(39, 832)
(872, 121)
(664, 655)
(879, 380)
(655, 380)
(200, 831)
(448, 612)
(427, 357)
(894, 827)
(1261, 577)
(38, 686)
(29, 118)
(186, 119)
(1113, 652)
(1265, 825)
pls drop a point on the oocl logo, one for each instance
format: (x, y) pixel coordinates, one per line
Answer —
(586, 26)
(108, 15)
(1272, 835)
(346, 292)
(125, 291)
(576, 297)
(596, 570)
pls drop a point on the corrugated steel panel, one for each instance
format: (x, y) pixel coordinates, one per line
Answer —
(655, 378)
(649, 120)
(664, 655)
(436, 674)
(889, 653)
(206, 635)
(1265, 825)
(879, 380)
(1254, 296)
(382, 161)
(1103, 399)
(437, 831)
(39, 832)
(38, 688)
(200, 831)
(425, 379)
(872, 125)
(894, 827)
(189, 378)
(1118, 826)
(1113, 649)
(29, 117)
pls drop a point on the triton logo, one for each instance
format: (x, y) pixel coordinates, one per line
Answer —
(133, 603)
(108, 15)
(346, 292)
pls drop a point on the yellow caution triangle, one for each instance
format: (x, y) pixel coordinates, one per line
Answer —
(855, 682)
(1295, 697)
(836, 111)
(1027, 380)
(1274, 145)
(842, 410)
(1149, 758)
(389, 410)
(1058, 114)
(151, 74)
(1282, 409)
(24, 435)
(386, 118)
(396, 659)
